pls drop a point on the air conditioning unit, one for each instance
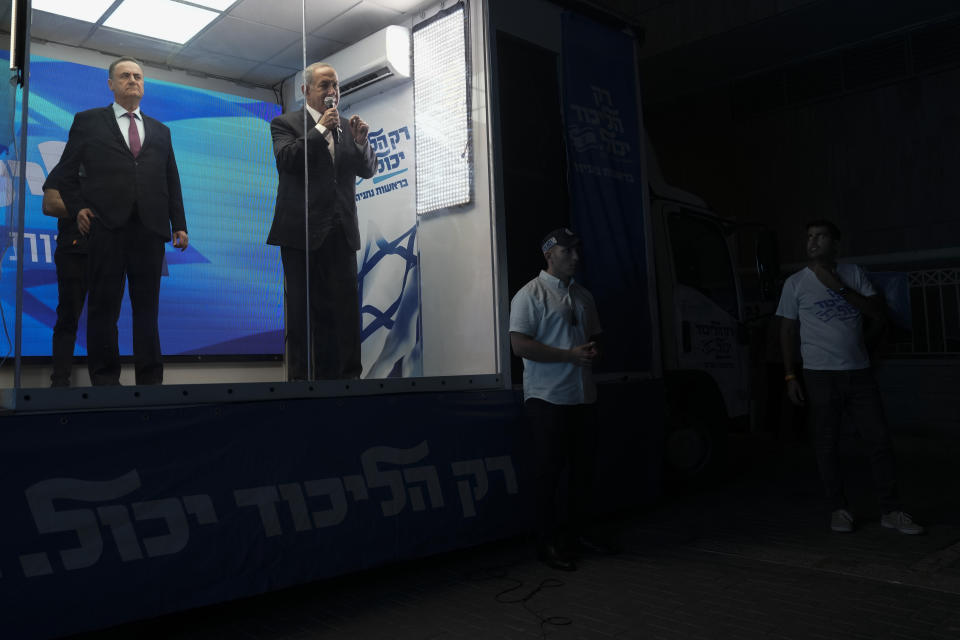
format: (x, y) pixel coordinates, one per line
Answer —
(373, 65)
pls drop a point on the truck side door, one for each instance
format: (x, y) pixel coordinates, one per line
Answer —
(706, 305)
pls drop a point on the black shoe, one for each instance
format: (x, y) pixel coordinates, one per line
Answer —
(554, 558)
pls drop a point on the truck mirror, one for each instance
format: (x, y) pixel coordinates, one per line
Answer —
(768, 262)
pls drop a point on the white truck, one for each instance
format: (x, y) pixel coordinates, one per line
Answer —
(698, 335)
(112, 508)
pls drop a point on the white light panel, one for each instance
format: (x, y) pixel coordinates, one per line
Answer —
(87, 10)
(440, 113)
(160, 19)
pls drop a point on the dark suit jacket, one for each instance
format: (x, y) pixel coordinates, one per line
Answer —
(332, 188)
(69, 238)
(114, 180)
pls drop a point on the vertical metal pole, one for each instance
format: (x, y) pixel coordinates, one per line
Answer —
(306, 191)
(941, 278)
(20, 193)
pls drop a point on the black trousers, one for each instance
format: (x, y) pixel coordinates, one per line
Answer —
(830, 396)
(71, 295)
(135, 253)
(565, 451)
(334, 310)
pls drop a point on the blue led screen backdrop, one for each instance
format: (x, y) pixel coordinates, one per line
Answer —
(223, 295)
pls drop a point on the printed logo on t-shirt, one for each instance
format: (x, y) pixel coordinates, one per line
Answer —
(835, 308)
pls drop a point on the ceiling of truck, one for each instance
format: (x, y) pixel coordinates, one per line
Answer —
(257, 42)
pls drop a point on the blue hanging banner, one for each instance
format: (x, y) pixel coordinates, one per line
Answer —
(604, 151)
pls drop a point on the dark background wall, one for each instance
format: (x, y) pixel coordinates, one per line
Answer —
(782, 112)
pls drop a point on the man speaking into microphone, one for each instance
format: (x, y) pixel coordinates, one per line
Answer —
(318, 246)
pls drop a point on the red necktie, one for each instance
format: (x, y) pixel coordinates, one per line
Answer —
(134, 134)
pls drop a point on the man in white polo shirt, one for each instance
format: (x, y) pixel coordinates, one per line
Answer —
(828, 301)
(554, 327)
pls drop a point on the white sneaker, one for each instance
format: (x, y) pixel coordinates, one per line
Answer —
(902, 522)
(841, 521)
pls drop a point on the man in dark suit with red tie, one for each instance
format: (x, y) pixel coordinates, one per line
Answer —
(127, 202)
(337, 151)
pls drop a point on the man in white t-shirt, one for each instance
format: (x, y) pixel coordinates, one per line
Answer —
(554, 327)
(828, 301)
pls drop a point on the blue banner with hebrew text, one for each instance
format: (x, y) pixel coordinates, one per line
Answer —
(117, 516)
(601, 118)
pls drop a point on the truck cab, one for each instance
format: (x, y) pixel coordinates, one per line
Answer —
(705, 356)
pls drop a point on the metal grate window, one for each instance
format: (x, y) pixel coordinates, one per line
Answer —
(935, 311)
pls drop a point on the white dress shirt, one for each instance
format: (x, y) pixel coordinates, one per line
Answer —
(562, 316)
(124, 123)
(316, 115)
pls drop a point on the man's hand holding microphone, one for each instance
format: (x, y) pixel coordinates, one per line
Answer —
(331, 117)
(331, 121)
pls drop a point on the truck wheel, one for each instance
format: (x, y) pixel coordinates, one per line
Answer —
(696, 430)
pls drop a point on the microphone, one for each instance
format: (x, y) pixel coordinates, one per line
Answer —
(329, 100)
